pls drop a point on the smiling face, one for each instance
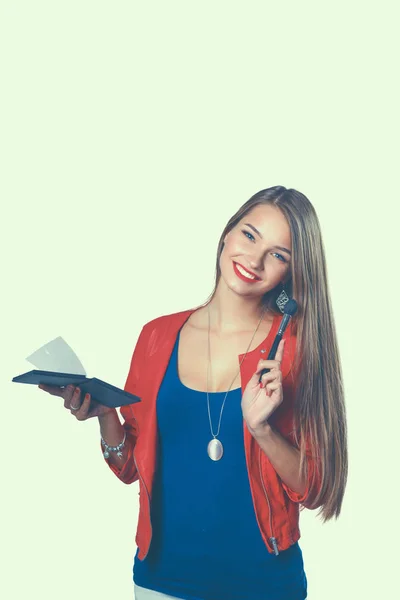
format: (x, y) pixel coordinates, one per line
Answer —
(256, 254)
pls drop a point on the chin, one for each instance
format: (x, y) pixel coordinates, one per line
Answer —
(240, 288)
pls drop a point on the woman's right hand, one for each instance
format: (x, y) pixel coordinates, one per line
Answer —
(72, 396)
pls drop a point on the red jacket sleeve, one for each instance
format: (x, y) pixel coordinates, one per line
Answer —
(127, 472)
(312, 488)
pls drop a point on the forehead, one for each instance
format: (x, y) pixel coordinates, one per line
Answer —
(270, 222)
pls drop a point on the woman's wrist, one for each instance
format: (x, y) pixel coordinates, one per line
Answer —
(107, 449)
(111, 430)
(107, 417)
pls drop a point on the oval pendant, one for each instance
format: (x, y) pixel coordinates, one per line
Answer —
(215, 449)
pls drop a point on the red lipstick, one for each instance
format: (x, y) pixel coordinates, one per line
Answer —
(243, 277)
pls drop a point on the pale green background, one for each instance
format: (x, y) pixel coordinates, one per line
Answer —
(130, 134)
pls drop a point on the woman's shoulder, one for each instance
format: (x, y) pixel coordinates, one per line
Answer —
(166, 321)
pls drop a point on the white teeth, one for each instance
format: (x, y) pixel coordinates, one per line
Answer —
(243, 272)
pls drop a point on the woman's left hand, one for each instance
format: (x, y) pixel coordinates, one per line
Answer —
(258, 403)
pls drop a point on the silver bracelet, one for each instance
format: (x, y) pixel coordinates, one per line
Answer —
(117, 449)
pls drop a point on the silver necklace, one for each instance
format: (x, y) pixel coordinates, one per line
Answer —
(215, 449)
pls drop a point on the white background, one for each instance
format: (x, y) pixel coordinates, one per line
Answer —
(131, 132)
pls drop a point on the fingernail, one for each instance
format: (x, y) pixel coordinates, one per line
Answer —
(86, 396)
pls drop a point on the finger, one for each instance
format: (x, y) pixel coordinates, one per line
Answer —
(74, 402)
(279, 352)
(271, 376)
(268, 364)
(272, 387)
(68, 393)
(256, 381)
(52, 389)
(83, 411)
(275, 362)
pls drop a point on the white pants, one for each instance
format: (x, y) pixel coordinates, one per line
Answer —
(145, 594)
(142, 593)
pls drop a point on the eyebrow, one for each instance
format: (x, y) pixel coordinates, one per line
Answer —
(259, 234)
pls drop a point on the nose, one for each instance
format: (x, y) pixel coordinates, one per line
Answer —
(256, 260)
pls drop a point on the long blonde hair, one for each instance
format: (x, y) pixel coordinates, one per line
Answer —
(319, 413)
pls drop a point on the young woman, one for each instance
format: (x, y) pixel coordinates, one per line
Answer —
(225, 462)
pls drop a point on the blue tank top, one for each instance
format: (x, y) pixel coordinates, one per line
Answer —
(206, 543)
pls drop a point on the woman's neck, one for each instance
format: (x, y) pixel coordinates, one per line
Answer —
(230, 312)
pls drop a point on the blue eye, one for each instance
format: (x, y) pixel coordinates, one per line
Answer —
(250, 236)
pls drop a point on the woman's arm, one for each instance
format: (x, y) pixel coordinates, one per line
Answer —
(112, 432)
(284, 457)
(111, 429)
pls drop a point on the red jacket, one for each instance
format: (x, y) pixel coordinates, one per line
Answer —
(276, 505)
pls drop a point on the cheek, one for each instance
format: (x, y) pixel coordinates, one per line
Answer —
(227, 255)
(233, 246)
